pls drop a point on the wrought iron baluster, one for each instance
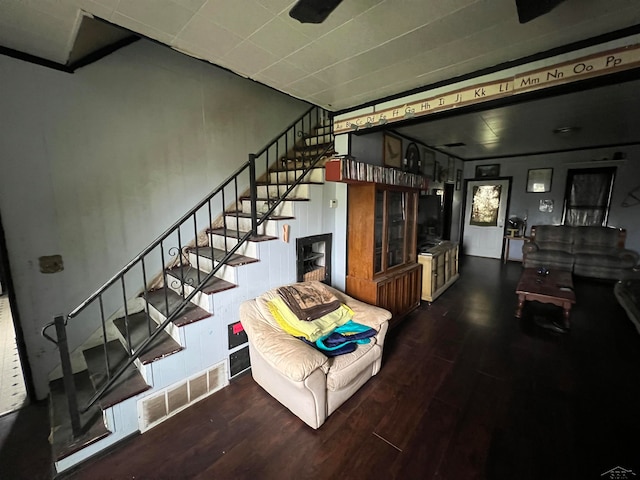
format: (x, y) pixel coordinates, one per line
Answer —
(277, 170)
(286, 154)
(126, 317)
(145, 295)
(164, 279)
(303, 136)
(195, 235)
(104, 336)
(254, 193)
(183, 273)
(235, 195)
(67, 376)
(209, 225)
(224, 224)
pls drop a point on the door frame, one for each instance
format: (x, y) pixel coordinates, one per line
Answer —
(17, 325)
(447, 210)
(464, 205)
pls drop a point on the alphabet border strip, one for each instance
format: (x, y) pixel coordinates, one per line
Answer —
(603, 63)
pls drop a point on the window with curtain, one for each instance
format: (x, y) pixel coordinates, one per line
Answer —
(587, 196)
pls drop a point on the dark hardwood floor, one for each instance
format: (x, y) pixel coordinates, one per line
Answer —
(466, 391)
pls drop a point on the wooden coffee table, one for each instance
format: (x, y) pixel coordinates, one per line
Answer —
(556, 288)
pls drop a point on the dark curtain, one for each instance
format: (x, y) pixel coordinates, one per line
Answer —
(587, 196)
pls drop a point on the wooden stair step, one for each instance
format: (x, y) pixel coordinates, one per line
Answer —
(302, 160)
(62, 442)
(315, 149)
(239, 234)
(189, 314)
(128, 385)
(285, 183)
(319, 139)
(277, 167)
(274, 199)
(239, 214)
(139, 325)
(192, 276)
(217, 254)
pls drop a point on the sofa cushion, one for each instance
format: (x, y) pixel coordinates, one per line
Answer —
(344, 368)
(554, 237)
(550, 259)
(605, 259)
(595, 239)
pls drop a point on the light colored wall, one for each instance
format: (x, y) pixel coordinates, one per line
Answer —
(627, 178)
(97, 164)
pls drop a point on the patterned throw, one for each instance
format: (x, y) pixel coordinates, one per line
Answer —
(309, 301)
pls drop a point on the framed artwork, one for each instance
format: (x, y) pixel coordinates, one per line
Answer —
(428, 163)
(485, 205)
(458, 179)
(546, 206)
(488, 171)
(539, 180)
(392, 151)
(412, 157)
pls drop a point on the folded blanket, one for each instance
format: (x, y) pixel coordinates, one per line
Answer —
(308, 301)
(344, 339)
(311, 330)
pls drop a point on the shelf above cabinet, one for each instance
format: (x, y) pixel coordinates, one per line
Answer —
(351, 171)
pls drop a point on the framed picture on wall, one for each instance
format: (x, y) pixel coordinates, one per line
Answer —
(539, 180)
(428, 163)
(488, 171)
(412, 156)
(392, 151)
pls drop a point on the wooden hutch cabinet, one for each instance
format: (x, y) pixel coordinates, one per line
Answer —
(381, 246)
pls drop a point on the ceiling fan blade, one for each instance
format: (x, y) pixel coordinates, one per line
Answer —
(530, 9)
(313, 11)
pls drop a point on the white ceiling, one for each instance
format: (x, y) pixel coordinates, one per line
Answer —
(364, 51)
(600, 117)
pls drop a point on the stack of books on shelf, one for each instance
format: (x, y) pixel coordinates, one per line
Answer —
(347, 169)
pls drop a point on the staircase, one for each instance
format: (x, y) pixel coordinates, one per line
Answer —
(177, 337)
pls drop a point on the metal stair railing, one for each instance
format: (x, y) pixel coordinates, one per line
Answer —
(115, 293)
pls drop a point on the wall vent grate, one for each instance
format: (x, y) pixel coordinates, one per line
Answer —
(161, 405)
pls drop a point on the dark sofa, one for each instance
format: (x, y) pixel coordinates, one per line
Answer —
(597, 252)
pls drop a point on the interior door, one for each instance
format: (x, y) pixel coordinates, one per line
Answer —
(485, 213)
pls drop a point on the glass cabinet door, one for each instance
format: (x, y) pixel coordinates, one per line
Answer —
(396, 225)
(378, 231)
(411, 236)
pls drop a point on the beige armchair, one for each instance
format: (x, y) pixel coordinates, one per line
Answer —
(300, 377)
